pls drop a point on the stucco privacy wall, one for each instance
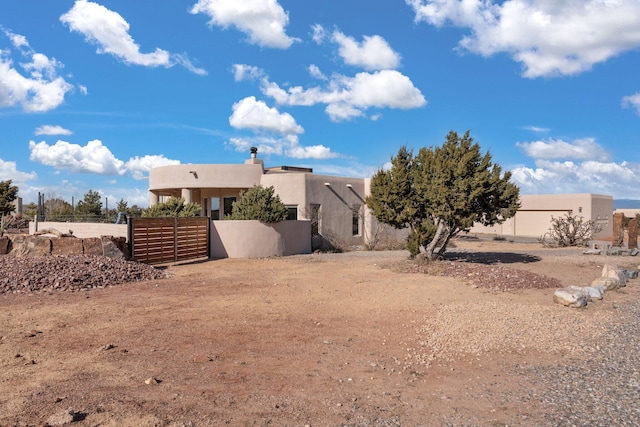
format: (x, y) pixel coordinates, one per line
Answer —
(82, 230)
(253, 239)
(533, 219)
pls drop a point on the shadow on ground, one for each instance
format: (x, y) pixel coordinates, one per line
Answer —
(491, 257)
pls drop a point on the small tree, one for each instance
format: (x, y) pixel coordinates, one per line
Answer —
(57, 209)
(90, 207)
(572, 230)
(441, 192)
(173, 207)
(259, 203)
(122, 206)
(8, 193)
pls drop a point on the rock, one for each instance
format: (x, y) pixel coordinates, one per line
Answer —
(594, 292)
(5, 245)
(27, 246)
(92, 246)
(50, 231)
(608, 283)
(634, 252)
(613, 272)
(65, 417)
(569, 297)
(110, 247)
(591, 252)
(632, 274)
(66, 246)
(151, 381)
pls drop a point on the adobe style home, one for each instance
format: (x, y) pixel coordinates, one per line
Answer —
(335, 206)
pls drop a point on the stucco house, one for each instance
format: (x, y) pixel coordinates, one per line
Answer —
(533, 219)
(334, 205)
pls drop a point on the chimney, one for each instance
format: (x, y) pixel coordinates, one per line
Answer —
(254, 160)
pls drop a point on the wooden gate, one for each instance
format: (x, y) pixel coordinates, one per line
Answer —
(164, 240)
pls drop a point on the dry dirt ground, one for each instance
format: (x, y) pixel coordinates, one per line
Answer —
(320, 340)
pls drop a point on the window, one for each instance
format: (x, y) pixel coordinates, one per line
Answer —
(292, 213)
(215, 208)
(228, 205)
(314, 215)
(355, 220)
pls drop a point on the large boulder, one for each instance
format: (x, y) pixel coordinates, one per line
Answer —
(24, 245)
(66, 246)
(613, 272)
(111, 247)
(594, 292)
(570, 297)
(608, 283)
(92, 246)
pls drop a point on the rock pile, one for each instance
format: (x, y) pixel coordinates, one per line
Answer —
(70, 273)
(578, 296)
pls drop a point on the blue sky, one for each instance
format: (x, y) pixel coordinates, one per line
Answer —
(94, 94)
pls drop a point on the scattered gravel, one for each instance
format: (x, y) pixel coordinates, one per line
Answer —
(70, 273)
(600, 389)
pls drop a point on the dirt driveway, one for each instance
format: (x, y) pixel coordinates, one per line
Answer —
(319, 340)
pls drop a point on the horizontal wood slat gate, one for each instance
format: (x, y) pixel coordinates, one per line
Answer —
(163, 240)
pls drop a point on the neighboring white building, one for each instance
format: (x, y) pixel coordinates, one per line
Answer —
(533, 219)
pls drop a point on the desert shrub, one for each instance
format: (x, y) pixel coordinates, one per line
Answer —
(572, 230)
(259, 203)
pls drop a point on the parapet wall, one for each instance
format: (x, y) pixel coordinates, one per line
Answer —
(81, 230)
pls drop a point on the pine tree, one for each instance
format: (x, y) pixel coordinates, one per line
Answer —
(8, 193)
(441, 192)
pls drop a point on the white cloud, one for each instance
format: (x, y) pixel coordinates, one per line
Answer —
(263, 21)
(548, 37)
(537, 129)
(42, 89)
(110, 32)
(348, 97)
(52, 130)
(256, 115)
(318, 33)
(579, 149)
(314, 71)
(91, 158)
(281, 146)
(374, 53)
(242, 72)
(616, 179)
(9, 170)
(139, 167)
(632, 101)
(310, 152)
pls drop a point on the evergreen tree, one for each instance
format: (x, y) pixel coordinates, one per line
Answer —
(441, 192)
(122, 206)
(259, 203)
(173, 207)
(90, 207)
(8, 193)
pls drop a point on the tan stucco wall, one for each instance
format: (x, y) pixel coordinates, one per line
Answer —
(536, 211)
(206, 176)
(253, 239)
(82, 230)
